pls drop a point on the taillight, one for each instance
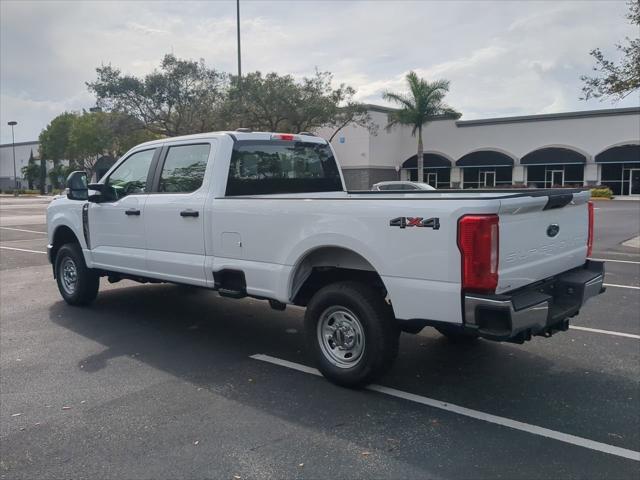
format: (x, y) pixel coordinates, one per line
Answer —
(478, 244)
(590, 236)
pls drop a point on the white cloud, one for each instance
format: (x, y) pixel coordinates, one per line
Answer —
(146, 29)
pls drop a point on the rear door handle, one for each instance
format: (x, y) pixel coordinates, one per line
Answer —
(189, 213)
(132, 211)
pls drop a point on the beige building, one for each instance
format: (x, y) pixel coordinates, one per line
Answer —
(561, 149)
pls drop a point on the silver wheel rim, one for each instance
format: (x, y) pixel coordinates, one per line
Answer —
(341, 337)
(69, 275)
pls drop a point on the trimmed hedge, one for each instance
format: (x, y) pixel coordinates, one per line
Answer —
(601, 192)
(22, 191)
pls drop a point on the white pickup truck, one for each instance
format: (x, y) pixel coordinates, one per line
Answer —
(267, 216)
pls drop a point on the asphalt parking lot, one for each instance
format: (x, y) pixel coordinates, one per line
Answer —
(159, 382)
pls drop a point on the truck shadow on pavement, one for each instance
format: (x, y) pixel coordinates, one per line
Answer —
(206, 340)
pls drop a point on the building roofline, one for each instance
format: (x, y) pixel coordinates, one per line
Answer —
(379, 108)
(19, 144)
(605, 112)
(542, 117)
(384, 109)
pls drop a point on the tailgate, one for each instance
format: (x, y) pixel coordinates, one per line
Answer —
(541, 237)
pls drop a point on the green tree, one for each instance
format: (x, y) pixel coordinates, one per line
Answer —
(31, 171)
(96, 134)
(423, 103)
(181, 97)
(88, 141)
(42, 175)
(82, 138)
(58, 174)
(54, 138)
(54, 145)
(184, 96)
(616, 80)
(279, 103)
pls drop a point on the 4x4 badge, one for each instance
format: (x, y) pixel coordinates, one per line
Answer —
(405, 222)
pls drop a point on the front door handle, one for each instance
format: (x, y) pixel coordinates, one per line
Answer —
(189, 213)
(132, 211)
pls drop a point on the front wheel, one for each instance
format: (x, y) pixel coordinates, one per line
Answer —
(78, 284)
(352, 333)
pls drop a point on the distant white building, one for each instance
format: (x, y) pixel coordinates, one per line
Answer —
(23, 151)
(561, 149)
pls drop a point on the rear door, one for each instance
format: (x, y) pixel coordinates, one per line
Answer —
(116, 225)
(540, 237)
(174, 213)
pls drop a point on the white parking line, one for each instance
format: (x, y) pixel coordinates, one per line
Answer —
(467, 412)
(22, 230)
(606, 332)
(615, 261)
(22, 250)
(621, 286)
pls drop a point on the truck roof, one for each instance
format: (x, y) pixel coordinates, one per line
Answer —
(237, 136)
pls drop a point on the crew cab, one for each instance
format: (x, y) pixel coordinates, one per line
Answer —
(267, 215)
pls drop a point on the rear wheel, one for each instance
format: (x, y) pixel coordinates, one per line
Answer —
(352, 333)
(78, 284)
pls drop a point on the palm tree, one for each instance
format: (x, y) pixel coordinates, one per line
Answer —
(424, 102)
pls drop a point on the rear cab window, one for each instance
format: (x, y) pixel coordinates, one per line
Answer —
(262, 167)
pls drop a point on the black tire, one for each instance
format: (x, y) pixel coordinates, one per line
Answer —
(458, 336)
(70, 262)
(359, 308)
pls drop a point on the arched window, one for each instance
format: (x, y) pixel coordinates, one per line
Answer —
(486, 169)
(620, 169)
(437, 169)
(554, 167)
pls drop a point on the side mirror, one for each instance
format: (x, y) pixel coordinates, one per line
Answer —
(98, 196)
(77, 188)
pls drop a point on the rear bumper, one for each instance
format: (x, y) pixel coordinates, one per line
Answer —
(539, 309)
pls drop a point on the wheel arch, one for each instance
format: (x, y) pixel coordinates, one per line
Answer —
(61, 235)
(326, 264)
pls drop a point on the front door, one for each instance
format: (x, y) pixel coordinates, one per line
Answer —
(555, 177)
(634, 181)
(488, 179)
(174, 214)
(116, 225)
(432, 179)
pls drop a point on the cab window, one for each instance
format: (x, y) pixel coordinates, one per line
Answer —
(184, 167)
(130, 177)
(260, 167)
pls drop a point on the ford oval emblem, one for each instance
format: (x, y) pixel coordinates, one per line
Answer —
(553, 229)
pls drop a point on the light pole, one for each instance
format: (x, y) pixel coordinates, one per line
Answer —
(12, 124)
(238, 25)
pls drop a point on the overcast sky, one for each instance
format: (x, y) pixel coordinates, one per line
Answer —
(503, 58)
